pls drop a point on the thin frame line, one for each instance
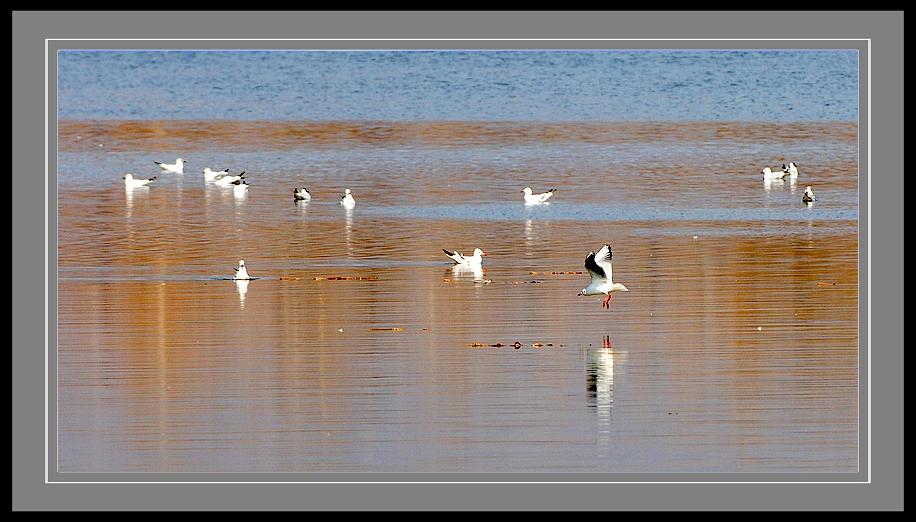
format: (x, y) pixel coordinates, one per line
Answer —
(868, 123)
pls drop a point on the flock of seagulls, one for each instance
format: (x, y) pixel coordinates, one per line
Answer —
(597, 264)
(789, 171)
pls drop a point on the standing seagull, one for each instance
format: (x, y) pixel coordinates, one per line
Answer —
(177, 167)
(130, 181)
(347, 199)
(301, 194)
(474, 260)
(241, 272)
(808, 197)
(599, 267)
(536, 199)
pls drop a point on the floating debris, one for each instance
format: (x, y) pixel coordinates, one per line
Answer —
(290, 278)
(827, 284)
(497, 345)
(536, 345)
(517, 345)
(566, 273)
(340, 330)
(392, 329)
(476, 345)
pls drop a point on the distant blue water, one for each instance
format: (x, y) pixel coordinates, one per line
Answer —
(460, 85)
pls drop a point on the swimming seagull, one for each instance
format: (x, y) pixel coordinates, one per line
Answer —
(791, 170)
(808, 197)
(599, 267)
(240, 187)
(347, 199)
(241, 272)
(130, 181)
(474, 260)
(177, 167)
(769, 175)
(229, 179)
(536, 199)
(301, 194)
(211, 175)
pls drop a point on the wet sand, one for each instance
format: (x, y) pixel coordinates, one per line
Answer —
(735, 350)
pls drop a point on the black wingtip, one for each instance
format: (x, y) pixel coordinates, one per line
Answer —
(552, 190)
(448, 253)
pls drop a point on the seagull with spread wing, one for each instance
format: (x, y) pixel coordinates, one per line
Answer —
(599, 267)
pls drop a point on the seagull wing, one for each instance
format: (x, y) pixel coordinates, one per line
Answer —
(455, 256)
(595, 270)
(603, 260)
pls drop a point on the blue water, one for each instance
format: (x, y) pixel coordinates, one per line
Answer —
(460, 85)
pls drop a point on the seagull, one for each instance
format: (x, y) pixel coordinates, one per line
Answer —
(770, 175)
(808, 197)
(791, 170)
(240, 187)
(301, 194)
(347, 199)
(131, 182)
(177, 167)
(241, 272)
(211, 175)
(229, 179)
(599, 267)
(536, 199)
(474, 260)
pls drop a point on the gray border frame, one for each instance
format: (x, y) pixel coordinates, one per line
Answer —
(884, 32)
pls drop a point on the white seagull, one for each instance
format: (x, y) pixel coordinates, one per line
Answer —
(240, 187)
(474, 260)
(791, 170)
(536, 199)
(241, 272)
(347, 199)
(177, 167)
(770, 175)
(301, 194)
(211, 175)
(130, 181)
(808, 197)
(599, 267)
(229, 179)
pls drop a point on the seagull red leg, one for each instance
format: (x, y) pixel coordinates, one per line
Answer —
(606, 302)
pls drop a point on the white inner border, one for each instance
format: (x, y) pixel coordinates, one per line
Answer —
(868, 241)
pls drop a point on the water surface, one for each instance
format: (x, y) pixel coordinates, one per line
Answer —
(735, 349)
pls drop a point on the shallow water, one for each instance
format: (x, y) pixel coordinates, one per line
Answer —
(735, 350)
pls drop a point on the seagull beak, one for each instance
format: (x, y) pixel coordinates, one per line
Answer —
(483, 254)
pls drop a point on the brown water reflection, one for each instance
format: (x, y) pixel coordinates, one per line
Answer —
(733, 351)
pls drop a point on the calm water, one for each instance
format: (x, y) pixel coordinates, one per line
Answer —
(660, 86)
(735, 349)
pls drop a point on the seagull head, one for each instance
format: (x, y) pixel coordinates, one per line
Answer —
(347, 192)
(582, 292)
(527, 191)
(478, 252)
(128, 176)
(241, 263)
